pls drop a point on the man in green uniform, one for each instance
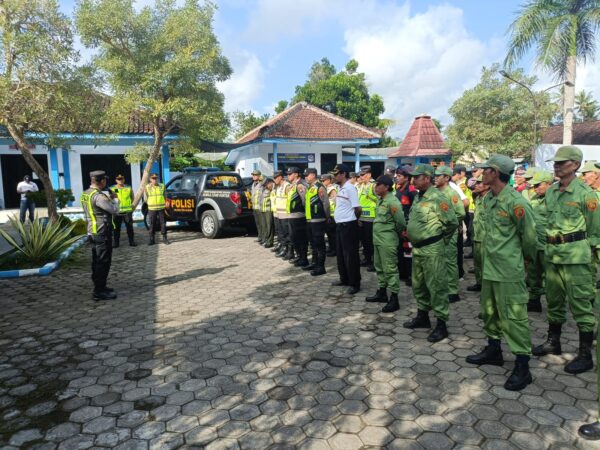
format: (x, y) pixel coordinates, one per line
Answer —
(387, 229)
(573, 236)
(431, 225)
(591, 177)
(536, 269)
(255, 192)
(443, 174)
(509, 237)
(267, 214)
(125, 195)
(528, 176)
(480, 190)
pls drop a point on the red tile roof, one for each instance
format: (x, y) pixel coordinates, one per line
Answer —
(584, 133)
(423, 139)
(307, 122)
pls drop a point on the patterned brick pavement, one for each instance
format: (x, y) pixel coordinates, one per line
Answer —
(217, 344)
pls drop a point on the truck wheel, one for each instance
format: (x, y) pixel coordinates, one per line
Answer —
(147, 222)
(209, 223)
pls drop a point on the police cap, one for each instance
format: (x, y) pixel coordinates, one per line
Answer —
(293, 170)
(365, 169)
(342, 168)
(278, 173)
(97, 174)
(310, 170)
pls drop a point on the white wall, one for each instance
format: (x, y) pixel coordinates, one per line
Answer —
(547, 151)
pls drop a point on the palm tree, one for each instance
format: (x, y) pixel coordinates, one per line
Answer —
(563, 32)
(587, 108)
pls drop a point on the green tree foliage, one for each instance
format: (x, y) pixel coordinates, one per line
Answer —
(563, 33)
(162, 64)
(243, 122)
(586, 106)
(497, 116)
(281, 106)
(344, 93)
(41, 89)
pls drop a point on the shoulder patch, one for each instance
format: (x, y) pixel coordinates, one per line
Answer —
(444, 206)
(519, 211)
(592, 204)
(455, 199)
(394, 210)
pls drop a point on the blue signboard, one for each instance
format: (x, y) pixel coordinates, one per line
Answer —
(293, 158)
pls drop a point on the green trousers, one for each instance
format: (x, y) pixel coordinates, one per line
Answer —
(536, 276)
(452, 265)
(504, 311)
(477, 261)
(268, 227)
(575, 285)
(258, 220)
(429, 283)
(386, 266)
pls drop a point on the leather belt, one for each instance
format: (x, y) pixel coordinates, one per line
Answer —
(565, 238)
(428, 241)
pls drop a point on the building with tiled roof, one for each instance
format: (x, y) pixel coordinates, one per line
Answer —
(423, 144)
(303, 135)
(586, 136)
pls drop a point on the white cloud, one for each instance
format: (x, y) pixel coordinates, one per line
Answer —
(246, 83)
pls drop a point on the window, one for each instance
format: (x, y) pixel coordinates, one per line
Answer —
(188, 183)
(223, 182)
(175, 185)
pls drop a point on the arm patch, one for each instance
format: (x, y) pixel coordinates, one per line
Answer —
(519, 211)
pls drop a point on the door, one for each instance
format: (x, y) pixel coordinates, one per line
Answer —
(14, 168)
(180, 198)
(113, 165)
(328, 162)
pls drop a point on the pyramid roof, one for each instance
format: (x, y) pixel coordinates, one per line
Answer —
(423, 139)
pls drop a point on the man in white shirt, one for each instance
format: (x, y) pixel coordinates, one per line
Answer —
(27, 204)
(347, 212)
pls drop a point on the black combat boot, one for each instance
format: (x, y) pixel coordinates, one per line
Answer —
(474, 288)
(491, 354)
(132, 243)
(520, 376)
(165, 240)
(534, 305)
(590, 431)
(282, 251)
(103, 295)
(379, 297)
(151, 241)
(453, 298)
(276, 248)
(420, 321)
(439, 332)
(583, 361)
(313, 263)
(116, 243)
(392, 305)
(319, 270)
(552, 344)
(320, 264)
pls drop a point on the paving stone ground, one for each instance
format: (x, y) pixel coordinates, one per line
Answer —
(217, 344)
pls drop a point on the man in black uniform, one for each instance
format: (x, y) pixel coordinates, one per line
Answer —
(98, 209)
(297, 217)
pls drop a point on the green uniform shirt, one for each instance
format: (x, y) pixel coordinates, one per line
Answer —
(455, 201)
(573, 210)
(509, 229)
(430, 215)
(389, 221)
(479, 219)
(540, 214)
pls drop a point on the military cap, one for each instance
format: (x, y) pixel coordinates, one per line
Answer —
(365, 169)
(423, 169)
(278, 173)
(341, 168)
(384, 179)
(310, 170)
(530, 172)
(294, 169)
(590, 166)
(458, 169)
(541, 176)
(326, 176)
(501, 163)
(97, 174)
(443, 170)
(256, 172)
(567, 153)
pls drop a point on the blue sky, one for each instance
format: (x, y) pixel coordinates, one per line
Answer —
(419, 55)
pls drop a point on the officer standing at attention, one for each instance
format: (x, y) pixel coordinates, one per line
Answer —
(387, 230)
(295, 208)
(98, 209)
(255, 191)
(287, 250)
(368, 204)
(443, 174)
(591, 175)
(573, 236)
(125, 195)
(317, 215)
(155, 198)
(267, 215)
(541, 182)
(276, 224)
(431, 225)
(332, 189)
(406, 193)
(509, 237)
(480, 190)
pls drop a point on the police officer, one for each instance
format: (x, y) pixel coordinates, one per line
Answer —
(266, 211)
(317, 214)
(155, 199)
(332, 189)
(255, 191)
(276, 222)
(125, 195)
(368, 204)
(431, 225)
(287, 250)
(297, 222)
(541, 182)
(480, 190)
(98, 209)
(443, 174)
(388, 226)
(573, 236)
(509, 237)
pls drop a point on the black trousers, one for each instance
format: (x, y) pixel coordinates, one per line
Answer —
(101, 258)
(366, 239)
(268, 227)
(330, 231)
(119, 219)
(284, 231)
(404, 265)
(348, 261)
(152, 217)
(258, 222)
(298, 236)
(469, 224)
(317, 239)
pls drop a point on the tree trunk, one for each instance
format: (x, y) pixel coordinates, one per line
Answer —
(154, 154)
(22, 145)
(569, 100)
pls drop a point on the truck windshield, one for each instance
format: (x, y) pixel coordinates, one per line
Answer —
(223, 182)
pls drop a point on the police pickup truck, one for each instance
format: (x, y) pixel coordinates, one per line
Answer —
(213, 199)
